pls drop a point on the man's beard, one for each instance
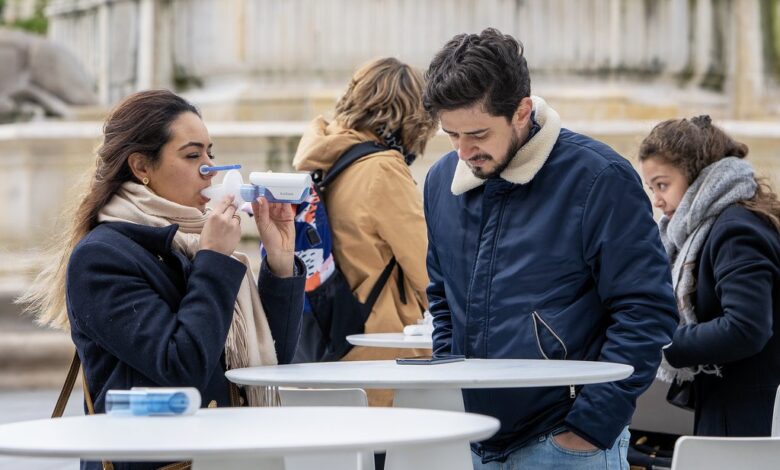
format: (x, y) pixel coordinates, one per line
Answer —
(514, 147)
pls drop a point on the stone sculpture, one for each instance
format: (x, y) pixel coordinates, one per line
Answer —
(38, 76)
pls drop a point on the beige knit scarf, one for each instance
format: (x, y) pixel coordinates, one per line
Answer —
(249, 341)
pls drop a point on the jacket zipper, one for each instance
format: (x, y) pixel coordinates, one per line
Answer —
(482, 224)
(536, 317)
(492, 261)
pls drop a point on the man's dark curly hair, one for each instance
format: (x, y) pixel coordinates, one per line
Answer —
(471, 68)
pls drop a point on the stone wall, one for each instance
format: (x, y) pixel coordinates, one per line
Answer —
(237, 48)
(19, 10)
(44, 164)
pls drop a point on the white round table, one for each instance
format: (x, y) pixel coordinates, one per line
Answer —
(432, 386)
(260, 438)
(391, 340)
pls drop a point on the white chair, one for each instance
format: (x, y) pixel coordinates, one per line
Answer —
(726, 453)
(326, 397)
(776, 416)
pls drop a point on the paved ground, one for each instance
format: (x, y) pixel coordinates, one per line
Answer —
(38, 404)
(31, 357)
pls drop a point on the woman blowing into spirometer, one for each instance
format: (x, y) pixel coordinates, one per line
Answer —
(148, 280)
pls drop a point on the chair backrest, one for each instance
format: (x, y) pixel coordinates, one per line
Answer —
(776, 416)
(326, 397)
(725, 453)
(323, 396)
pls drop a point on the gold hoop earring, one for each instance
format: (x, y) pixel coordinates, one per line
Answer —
(145, 181)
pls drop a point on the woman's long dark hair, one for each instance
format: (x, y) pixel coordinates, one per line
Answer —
(140, 124)
(692, 145)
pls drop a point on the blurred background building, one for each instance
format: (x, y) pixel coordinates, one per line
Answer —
(260, 69)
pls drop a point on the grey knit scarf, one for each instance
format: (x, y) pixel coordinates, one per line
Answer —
(718, 186)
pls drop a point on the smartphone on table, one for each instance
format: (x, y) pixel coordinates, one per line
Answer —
(428, 359)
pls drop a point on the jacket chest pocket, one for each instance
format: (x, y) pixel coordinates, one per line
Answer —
(549, 343)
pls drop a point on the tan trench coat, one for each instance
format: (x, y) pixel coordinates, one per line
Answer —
(375, 213)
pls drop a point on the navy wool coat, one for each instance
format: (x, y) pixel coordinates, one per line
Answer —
(144, 315)
(737, 303)
(567, 266)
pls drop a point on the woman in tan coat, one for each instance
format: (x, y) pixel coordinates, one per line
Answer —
(374, 207)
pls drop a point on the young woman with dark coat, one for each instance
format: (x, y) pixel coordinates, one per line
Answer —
(721, 229)
(149, 281)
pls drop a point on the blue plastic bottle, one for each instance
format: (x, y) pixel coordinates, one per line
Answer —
(153, 401)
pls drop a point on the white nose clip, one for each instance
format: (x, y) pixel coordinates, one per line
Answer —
(206, 169)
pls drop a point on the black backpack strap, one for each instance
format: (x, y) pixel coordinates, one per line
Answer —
(350, 156)
(401, 288)
(380, 284)
(354, 153)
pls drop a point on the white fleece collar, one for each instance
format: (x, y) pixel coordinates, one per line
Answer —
(528, 160)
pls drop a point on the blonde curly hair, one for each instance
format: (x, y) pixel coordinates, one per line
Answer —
(387, 94)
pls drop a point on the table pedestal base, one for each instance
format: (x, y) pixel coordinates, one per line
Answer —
(326, 461)
(447, 456)
(330, 461)
(238, 463)
(447, 399)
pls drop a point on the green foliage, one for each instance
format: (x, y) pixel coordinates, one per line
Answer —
(183, 80)
(38, 24)
(770, 16)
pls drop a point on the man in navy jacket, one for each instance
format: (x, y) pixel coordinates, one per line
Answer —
(542, 245)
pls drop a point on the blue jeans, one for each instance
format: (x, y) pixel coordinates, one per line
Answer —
(544, 453)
